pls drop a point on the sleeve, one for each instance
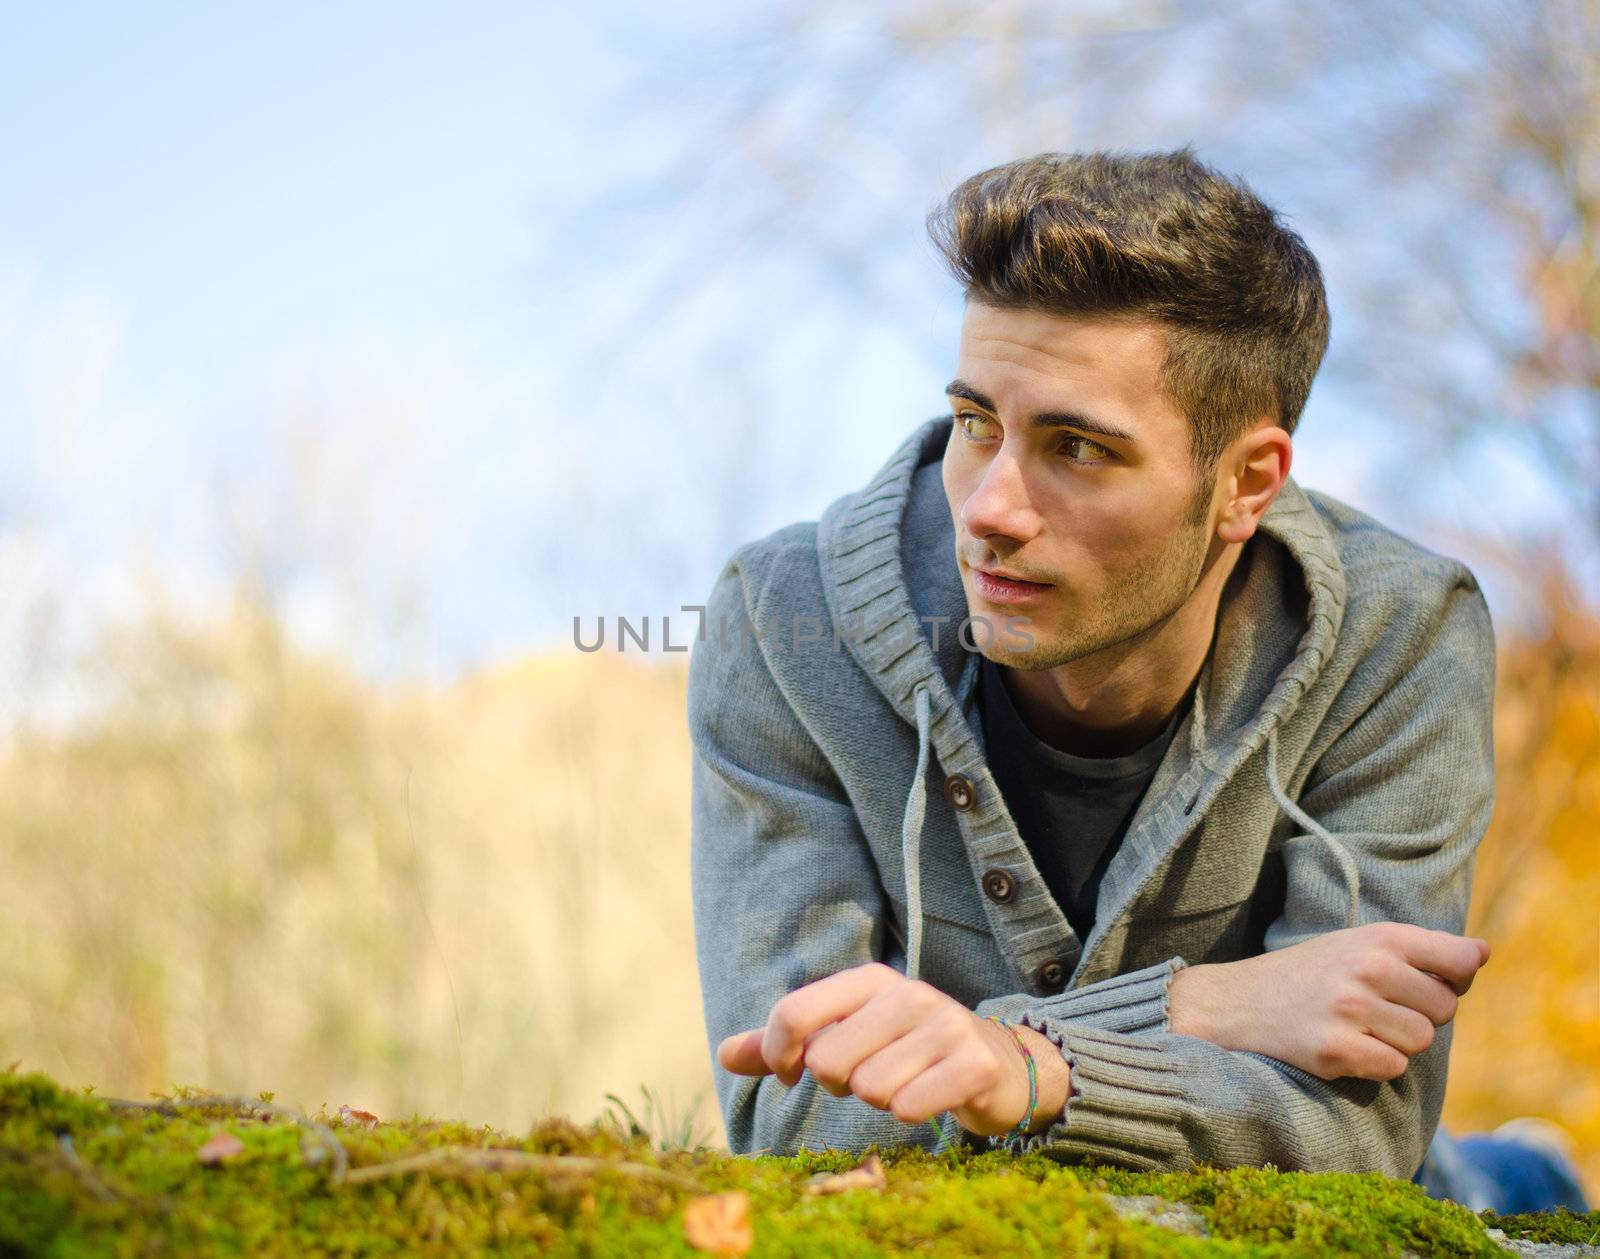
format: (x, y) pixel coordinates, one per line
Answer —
(785, 892)
(1408, 789)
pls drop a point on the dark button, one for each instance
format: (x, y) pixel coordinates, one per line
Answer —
(1052, 976)
(999, 885)
(1193, 800)
(958, 791)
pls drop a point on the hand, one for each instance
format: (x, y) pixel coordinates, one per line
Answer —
(1357, 1002)
(899, 1045)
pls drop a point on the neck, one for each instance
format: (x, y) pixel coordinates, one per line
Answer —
(1120, 698)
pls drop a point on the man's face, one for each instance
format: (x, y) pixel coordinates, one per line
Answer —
(1069, 468)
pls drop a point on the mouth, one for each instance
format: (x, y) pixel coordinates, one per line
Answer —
(998, 586)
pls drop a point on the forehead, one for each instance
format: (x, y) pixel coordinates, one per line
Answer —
(1031, 360)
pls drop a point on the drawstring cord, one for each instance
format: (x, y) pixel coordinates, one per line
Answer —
(1347, 865)
(911, 837)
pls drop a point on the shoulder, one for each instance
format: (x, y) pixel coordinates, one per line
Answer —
(1382, 564)
(767, 594)
(1405, 604)
(768, 667)
(771, 575)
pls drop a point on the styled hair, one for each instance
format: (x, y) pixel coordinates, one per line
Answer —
(1157, 236)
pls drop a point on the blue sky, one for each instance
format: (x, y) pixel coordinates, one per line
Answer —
(214, 215)
(282, 278)
(251, 175)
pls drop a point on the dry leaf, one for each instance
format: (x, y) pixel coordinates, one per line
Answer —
(363, 1117)
(868, 1176)
(224, 1145)
(720, 1223)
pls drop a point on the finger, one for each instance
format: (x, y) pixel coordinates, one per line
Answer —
(945, 1085)
(1461, 986)
(836, 1051)
(790, 1075)
(1483, 959)
(1375, 1059)
(1400, 1027)
(878, 1078)
(1454, 959)
(741, 1053)
(809, 1009)
(1427, 994)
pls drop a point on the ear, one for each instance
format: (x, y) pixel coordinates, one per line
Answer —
(1258, 466)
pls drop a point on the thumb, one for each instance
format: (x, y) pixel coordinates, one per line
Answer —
(741, 1053)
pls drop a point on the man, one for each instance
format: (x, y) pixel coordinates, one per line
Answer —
(1083, 715)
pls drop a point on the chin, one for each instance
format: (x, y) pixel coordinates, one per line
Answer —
(1010, 647)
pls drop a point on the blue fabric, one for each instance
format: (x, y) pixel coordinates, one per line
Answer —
(1486, 1172)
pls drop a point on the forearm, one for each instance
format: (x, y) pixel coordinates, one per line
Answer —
(1189, 1013)
(1217, 1002)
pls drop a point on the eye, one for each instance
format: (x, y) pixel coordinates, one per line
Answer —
(965, 420)
(1098, 452)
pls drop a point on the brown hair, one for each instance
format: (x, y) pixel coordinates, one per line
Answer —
(1158, 236)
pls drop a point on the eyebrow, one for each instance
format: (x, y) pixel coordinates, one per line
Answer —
(1046, 419)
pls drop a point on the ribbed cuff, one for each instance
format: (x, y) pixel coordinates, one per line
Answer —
(1127, 1107)
(1134, 1003)
(1125, 1100)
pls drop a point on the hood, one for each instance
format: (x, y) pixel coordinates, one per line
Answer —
(889, 572)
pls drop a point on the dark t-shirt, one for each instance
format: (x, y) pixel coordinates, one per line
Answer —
(1072, 811)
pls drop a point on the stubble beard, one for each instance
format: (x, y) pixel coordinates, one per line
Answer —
(1128, 610)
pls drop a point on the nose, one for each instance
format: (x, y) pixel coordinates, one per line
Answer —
(999, 505)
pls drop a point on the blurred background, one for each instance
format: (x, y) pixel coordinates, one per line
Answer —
(349, 355)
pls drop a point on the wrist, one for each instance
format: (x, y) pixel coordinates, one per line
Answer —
(1054, 1079)
(1189, 1008)
(1019, 1054)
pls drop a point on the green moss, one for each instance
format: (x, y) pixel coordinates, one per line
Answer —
(1560, 1225)
(86, 1176)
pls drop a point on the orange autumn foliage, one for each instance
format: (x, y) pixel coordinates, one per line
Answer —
(719, 1224)
(1527, 1037)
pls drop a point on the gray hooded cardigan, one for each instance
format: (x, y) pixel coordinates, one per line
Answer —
(1335, 768)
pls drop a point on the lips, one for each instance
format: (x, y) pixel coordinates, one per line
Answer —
(996, 588)
(1002, 575)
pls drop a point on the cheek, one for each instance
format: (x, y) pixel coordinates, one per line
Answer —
(1110, 539)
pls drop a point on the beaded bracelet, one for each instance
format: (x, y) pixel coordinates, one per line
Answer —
(1033, 1076)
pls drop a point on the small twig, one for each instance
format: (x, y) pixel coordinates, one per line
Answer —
(335, 1147)
(83, 1171)
(445, 1158)
(102, 1190)
(472, 1158)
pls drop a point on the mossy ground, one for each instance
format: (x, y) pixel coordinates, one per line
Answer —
(1560, 1226)
(80, 1175)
